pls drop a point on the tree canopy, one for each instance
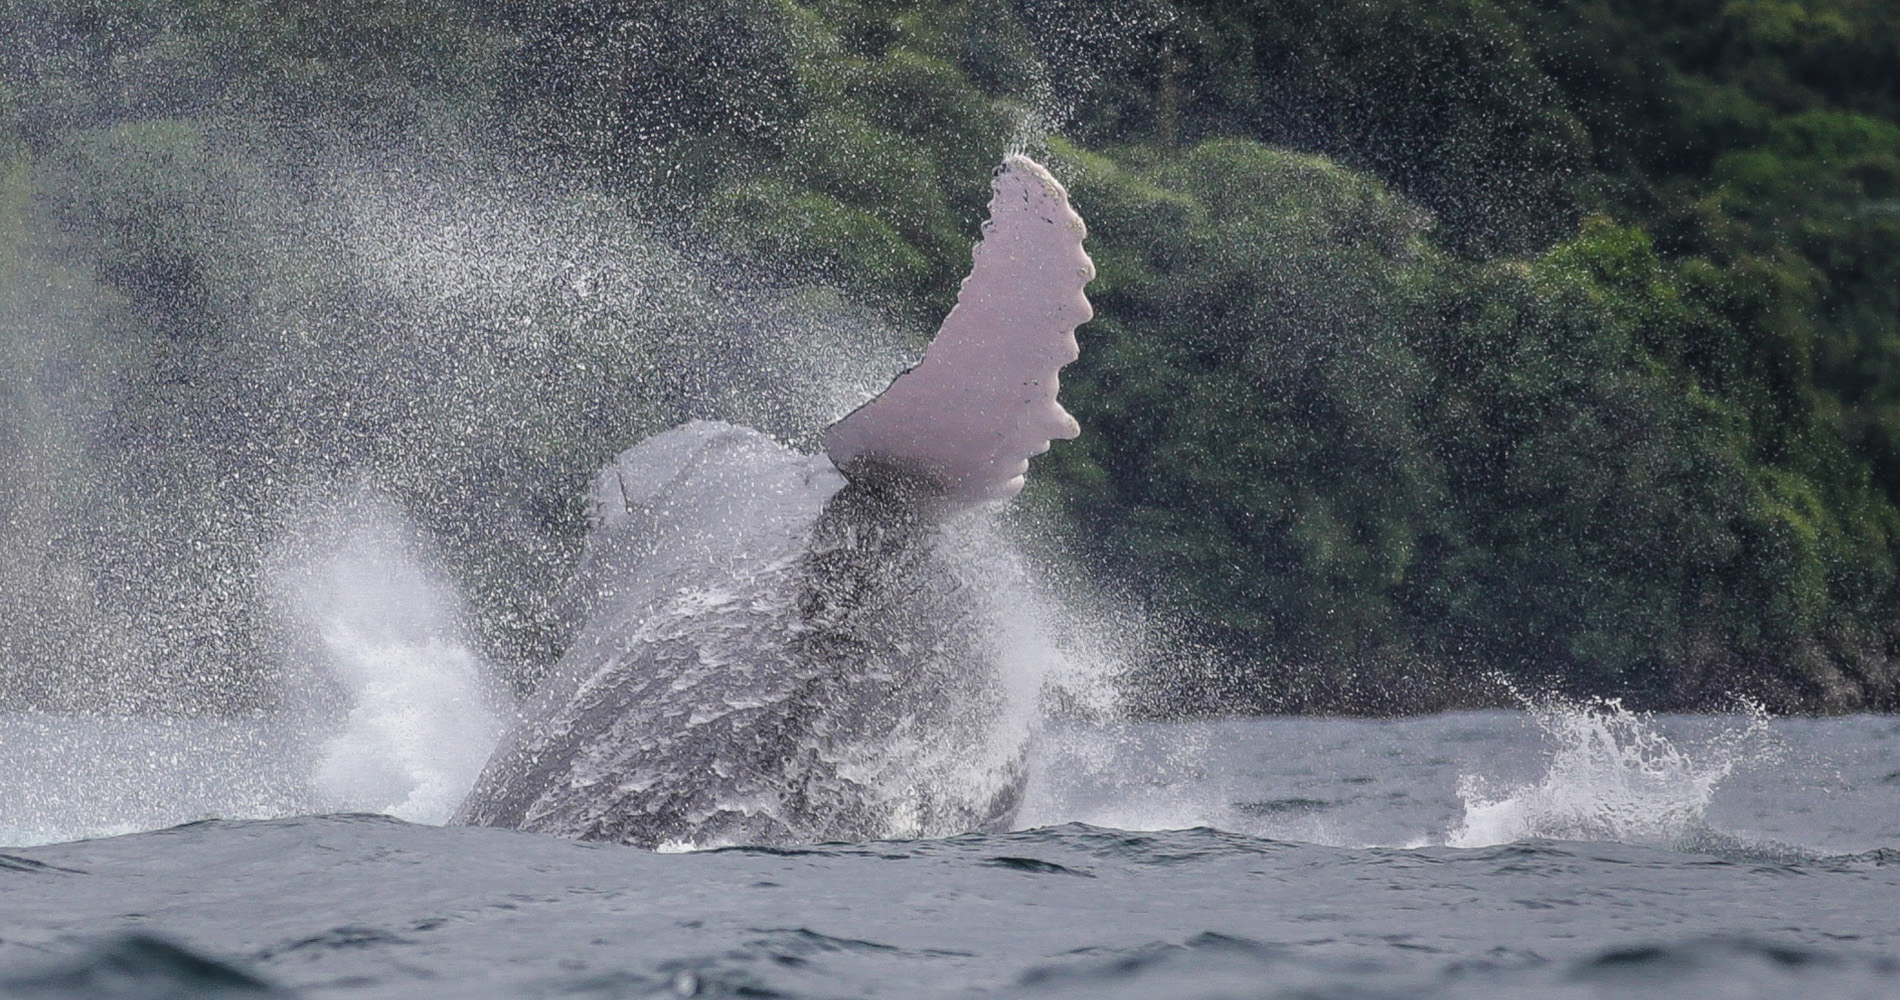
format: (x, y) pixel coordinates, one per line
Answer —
(1437, 341)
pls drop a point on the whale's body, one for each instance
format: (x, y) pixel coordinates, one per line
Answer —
(784, 648)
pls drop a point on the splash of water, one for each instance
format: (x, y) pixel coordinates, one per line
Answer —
(420, 721)
(472, 339)
(1612, 775)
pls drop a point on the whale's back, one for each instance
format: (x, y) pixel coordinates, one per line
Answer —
(726, 689)
(773, 653)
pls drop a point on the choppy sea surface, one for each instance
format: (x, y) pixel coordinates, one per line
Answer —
(1572, 852)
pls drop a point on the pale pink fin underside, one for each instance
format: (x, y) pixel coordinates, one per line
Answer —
(983, 400)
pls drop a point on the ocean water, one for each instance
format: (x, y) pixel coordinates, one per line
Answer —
(1572, 851)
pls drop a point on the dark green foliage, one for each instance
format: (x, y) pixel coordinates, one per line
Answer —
(1435, 339)
(1621, 518)
(1337, 444)
(647, 91)
(84, 63)
(1248, 394)
(1443, 100)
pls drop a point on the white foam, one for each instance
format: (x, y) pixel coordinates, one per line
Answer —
(1612, 775)
(420, 723)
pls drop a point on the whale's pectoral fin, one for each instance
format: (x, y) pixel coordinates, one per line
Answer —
(983, 400)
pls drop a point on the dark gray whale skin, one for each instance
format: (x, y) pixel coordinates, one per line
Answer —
(771, 655)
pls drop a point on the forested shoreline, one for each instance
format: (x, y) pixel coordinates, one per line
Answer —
(1437, 341)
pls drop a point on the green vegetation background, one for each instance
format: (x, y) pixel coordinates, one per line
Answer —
(1437, 340)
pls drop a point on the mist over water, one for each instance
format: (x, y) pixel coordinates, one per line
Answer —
(472, 345)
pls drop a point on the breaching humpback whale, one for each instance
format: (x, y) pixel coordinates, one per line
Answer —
(782, 648)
